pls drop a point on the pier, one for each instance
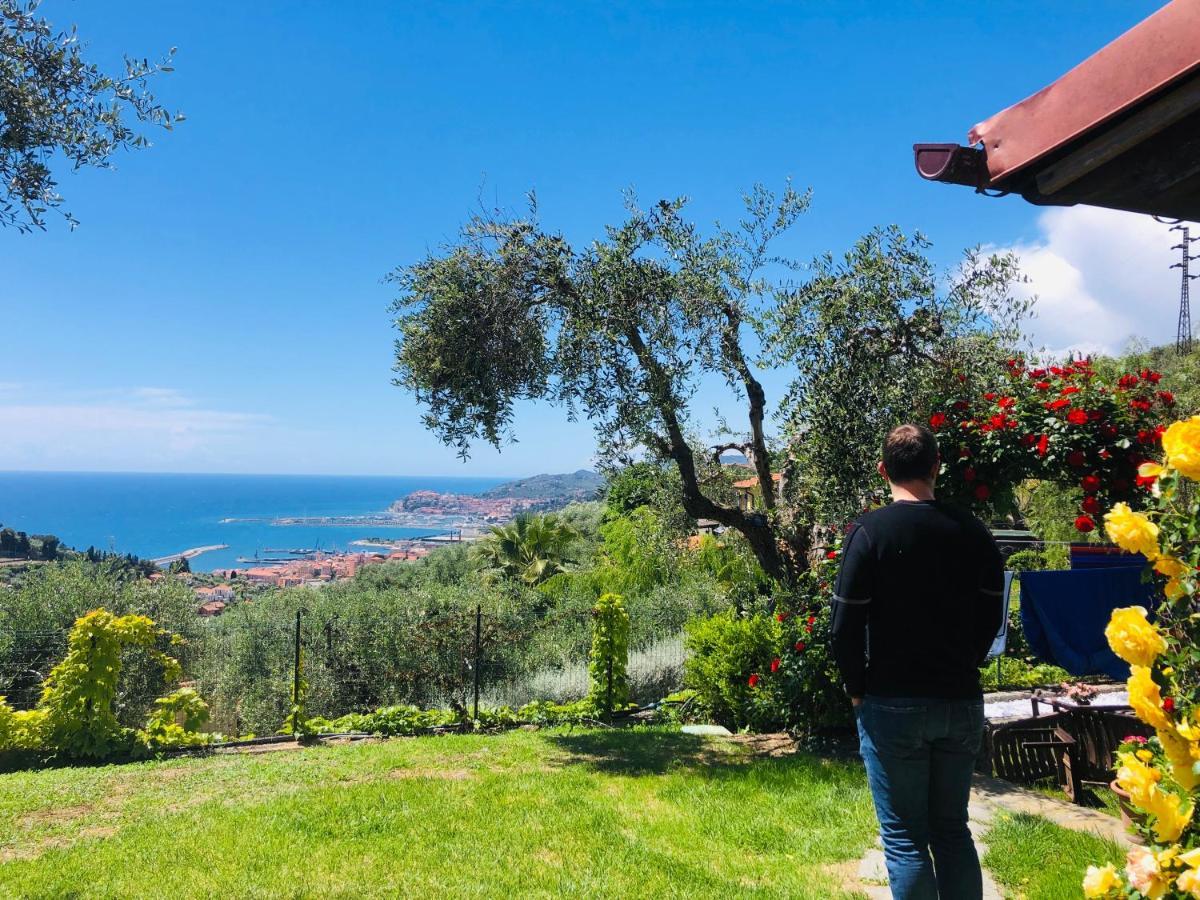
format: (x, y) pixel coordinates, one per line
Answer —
(187, 554)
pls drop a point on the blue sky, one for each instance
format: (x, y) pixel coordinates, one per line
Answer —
(220, 307)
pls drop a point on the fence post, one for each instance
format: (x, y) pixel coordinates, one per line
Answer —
(475, 664)
(296, 665)
(608, 706)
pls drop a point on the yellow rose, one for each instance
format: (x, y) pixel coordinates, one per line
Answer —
(1133, 638)
(1137, 778)
(1188, 882)
(1141, 868)
(1171, 567)
(1181, 443)
(1174, 589)
(1100, 882)
(1169, 818)
(1146, 699)
(1183, 754)
(1131, 531)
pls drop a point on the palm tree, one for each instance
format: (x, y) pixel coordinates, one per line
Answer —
(531, 548)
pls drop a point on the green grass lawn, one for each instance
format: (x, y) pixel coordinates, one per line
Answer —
(1038, 860)
(646, 812)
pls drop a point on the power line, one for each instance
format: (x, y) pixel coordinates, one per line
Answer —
(1183, 333)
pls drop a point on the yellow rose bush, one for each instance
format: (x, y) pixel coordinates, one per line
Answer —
(1162, 777)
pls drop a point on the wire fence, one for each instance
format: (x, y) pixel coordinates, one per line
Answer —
(245, 665)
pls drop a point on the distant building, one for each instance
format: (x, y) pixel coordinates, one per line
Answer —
(749, 495)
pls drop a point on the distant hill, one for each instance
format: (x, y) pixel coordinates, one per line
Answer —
(581, 485)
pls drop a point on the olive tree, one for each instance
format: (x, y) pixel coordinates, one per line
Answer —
(57, 108)
(627, 329)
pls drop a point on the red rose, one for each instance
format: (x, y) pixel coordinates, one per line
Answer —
(1141, 405)
(1166, 397)
(775, 664)
(1090, 483)
(1067, 391)
(782, 617)
(997, 421)
(799, 646)
(1043, 445)
(1104, 454)
(982, 492)
(808, 629)
(1125, 382)
(1076, 459)
(1091, 505)
(1151, 376)
(832, 554)
(937, 420)
(1145, 437)
(1042, 385)
(989, 396)
(1145, 481)
(1077, 417)
(1085, 524)
(1168, 704)
(1037, 373)
(1006, 403)
(754, 680)
(1028, 440)
(1058, 404)
(969, 473)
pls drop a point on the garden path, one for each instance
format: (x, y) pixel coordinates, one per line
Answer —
(989, 796)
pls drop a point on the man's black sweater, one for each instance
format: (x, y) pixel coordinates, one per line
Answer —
(917, 602)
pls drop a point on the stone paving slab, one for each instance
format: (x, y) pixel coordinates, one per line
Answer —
(991, 794)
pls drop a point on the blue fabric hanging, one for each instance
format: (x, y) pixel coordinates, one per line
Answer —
(1064, 613)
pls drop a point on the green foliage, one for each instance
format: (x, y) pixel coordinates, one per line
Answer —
(877, 337)
(725, 650)
(408, 721)
(79, 693)
(771, 672)
(47, 601)
(728, 562)
(58, 106)
(176, 721)
(529, 548)
(638, 553)
(1018, 674)
(608, 663)
(75, 716)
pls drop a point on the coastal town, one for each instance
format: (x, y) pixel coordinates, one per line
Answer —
(456, 517)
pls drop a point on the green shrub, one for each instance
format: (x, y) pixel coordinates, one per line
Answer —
(608, 663)
(769, 672)
(725, 650)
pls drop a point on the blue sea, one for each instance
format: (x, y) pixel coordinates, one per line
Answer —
(153, 515)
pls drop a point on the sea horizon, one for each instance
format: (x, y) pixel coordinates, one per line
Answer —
(156, 514)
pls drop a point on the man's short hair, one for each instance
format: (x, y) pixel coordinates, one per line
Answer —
(909, 453)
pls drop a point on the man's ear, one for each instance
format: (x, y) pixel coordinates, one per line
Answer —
(881, 470)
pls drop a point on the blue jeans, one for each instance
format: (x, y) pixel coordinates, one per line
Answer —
(919, 755)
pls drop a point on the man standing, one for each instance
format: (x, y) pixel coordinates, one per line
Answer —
(916, 606)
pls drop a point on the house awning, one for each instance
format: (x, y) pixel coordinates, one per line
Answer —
(1121, 129)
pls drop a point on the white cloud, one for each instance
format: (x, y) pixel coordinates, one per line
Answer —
(149, 429)
(1101, 277)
